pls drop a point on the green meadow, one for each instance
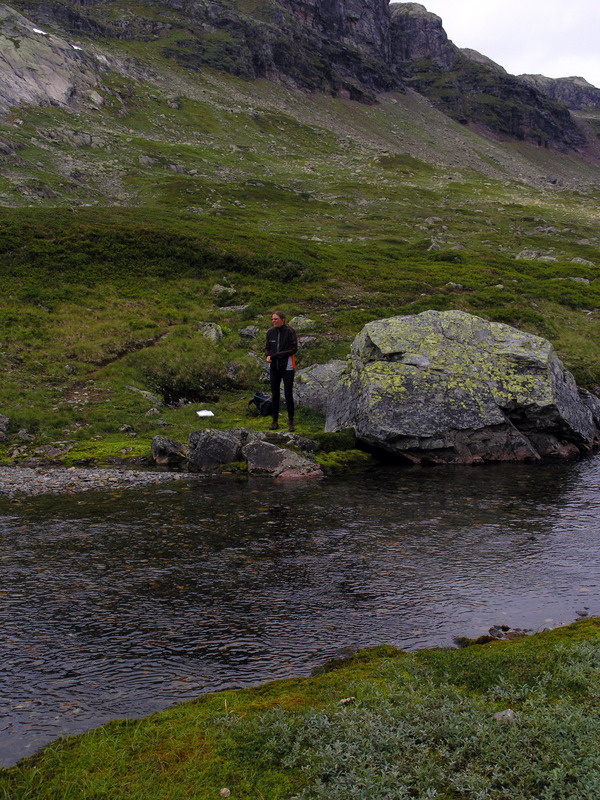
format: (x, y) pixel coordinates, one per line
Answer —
(119, 218)
(515, 719)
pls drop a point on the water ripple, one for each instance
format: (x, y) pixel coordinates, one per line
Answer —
(121, 605)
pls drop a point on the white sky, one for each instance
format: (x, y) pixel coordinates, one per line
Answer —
(556, 38)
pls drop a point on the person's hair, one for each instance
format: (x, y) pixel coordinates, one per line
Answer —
(279, 314)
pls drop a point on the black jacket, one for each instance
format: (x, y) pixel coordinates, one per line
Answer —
(281, 343)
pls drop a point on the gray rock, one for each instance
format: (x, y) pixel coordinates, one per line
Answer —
(508, 717)
(232, 370)
(148, 395)
(448, 387)
(302, 323)
(210, 448)
(584, 261)
(24, 436)
(313, 386)
(304, 340)
(250, 332)
(167, 452)
(223, 291)
(234, 309)
(212, 331)
(267, 459)
(4, 423)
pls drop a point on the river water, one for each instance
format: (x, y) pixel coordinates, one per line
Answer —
(117, 604)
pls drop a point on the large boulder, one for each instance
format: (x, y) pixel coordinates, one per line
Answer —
(313, 385)
(448, 387)
(210, 448)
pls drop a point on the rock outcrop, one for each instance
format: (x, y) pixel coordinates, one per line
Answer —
(575, 93)
(349, 48)
(42, 69)
(479, 58)
(451, 388)
(417, 34)
(167, 452)
(358, 23)
(314, 385)
(264, 458)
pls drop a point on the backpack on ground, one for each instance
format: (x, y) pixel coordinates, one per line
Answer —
(260, 404)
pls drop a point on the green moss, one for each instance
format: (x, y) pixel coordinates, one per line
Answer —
(343, 460)
(380, 720)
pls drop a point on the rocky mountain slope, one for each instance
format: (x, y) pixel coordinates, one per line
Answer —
(349, 48)
(574, 92)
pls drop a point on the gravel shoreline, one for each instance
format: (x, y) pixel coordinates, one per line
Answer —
(33, 481)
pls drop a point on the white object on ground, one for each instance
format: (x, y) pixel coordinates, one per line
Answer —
(205, 413)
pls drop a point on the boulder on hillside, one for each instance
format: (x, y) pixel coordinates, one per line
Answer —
(451, 388)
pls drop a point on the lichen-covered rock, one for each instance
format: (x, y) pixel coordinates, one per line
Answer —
(167, 452)
(267, 459)
(211, 331)
(313, 386)
(302, 323)
(448, 387)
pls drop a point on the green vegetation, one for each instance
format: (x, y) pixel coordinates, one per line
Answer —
(118, 219)
(383, 724)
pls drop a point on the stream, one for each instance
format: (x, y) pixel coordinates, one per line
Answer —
(118, 603)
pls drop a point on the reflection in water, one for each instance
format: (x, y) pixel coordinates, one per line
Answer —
(120, 604)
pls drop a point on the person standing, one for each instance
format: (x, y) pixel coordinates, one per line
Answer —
(280, 349)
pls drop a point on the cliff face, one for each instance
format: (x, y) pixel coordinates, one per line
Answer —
(38, 69)
(416, 34)
(350, 48)
(575, 93)
(360, 24)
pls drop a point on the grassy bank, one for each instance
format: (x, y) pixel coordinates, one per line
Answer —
(116, 224)
(384, 724)
(101, 300)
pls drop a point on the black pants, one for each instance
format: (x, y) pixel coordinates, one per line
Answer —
(276, 376)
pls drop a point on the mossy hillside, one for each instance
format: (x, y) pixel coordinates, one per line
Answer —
(118, 221)
(117, 298)
(383, 724)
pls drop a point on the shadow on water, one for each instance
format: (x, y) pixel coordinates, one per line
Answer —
(121, 603)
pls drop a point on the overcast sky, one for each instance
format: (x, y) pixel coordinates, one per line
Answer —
(556, 38)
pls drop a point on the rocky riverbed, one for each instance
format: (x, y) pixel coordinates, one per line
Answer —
(31, 481)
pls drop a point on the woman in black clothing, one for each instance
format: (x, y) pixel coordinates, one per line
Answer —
(280, 350)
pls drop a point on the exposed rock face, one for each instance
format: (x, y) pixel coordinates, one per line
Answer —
(418, 34)
(210, 448)
(4, 423)
(350, 48)
(360, 23)
(575, 93)
(38, 68)
(452, 388)
(479, 58)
